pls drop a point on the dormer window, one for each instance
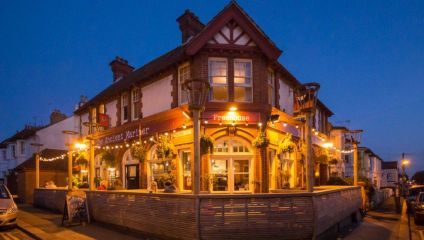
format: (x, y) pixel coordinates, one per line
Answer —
(183, 75)
(124, 107)
(242, 80)
(136, 103)
(218, 78)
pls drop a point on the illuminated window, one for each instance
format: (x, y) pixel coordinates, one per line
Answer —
(93, 115)
(186, 167)
(102, 108)
(136, 103)
(183, 75)
(242, 80)
(218, 78)
(124, 107)
(271, 87)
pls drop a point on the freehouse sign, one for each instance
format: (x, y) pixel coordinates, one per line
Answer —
(231, 117)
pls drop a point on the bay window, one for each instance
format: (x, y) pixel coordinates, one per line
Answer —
(183, 75)
(124, 107)
(136, 103)
(218, 79)
(271, 87)
(242, 80)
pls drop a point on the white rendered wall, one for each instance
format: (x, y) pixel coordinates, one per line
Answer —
(52, 136)
(156, 97)
(286, 98)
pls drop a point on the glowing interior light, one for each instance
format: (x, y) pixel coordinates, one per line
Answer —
(233, 108)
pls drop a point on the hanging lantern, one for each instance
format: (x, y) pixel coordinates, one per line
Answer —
(197, 92)
(306, 97)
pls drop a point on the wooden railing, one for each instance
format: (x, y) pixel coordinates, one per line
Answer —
(239, 216)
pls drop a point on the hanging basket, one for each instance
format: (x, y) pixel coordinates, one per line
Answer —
(261, 141)
(206, 145)
(139, 152)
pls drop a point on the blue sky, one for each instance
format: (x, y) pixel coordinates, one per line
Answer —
(367, 55)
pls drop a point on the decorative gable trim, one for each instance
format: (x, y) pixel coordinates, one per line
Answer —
(233, 26)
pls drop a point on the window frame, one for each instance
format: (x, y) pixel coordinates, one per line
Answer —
(271, 99)
(244, 85)
(133, 103)
(212, 85)
(123, 95)
(180, 83)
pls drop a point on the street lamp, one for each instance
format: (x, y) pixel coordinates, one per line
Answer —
(37, 163)
(405, 162)
(355, 139)
(69, 133)
(197, 92)
(305, 104)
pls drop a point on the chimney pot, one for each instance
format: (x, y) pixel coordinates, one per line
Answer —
(190, 25)
(120, 68)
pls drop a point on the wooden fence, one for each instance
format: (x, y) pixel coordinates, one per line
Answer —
(229, 216)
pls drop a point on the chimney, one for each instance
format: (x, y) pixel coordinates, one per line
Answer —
(120, 68)
(56, 116)
(189, 25)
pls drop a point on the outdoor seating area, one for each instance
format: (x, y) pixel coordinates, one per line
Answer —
(292, 214)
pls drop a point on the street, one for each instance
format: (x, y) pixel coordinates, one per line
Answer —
(384, 223)
(36, 223)
(13, 234)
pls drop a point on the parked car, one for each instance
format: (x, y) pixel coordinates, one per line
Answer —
(8, 208)
(412, 195)
(419, 208)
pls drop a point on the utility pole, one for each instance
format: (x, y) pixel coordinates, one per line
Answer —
(355, 138)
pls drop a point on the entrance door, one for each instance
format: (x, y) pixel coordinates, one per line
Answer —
(132, 173)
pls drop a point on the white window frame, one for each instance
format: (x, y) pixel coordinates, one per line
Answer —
(271, 99)
(22, 148)
(217, 84)
(182, 171)
(180, 82)
(243, 60)
(230, 157)
(133, 102)
(122, 107)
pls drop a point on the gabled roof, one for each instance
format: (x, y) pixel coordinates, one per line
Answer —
(25, 133)
(234, 12)
(56, 165)
(137, 76)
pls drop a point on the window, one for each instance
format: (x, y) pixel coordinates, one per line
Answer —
(186, 166)
(183, 75)
(13, 151)
(124, 108)
(22, 147)
(4, 155)
(242, 80)
(102, 108)
(136, 103)
(241, 175)
(218, 78)
(271, 87)
(219, 169)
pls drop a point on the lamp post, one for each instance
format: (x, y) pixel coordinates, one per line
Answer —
(197, 92)
(37, 163)
(69, 133)
(355, 138)
(305, 105)
(405, 162)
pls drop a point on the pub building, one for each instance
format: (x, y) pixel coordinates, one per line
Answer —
(251, 141)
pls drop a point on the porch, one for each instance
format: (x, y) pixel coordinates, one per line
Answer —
(285, 215)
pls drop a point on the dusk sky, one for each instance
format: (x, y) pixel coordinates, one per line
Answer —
(368, 57)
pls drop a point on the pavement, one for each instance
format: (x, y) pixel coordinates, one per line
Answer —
(385, 224)
(42, 224)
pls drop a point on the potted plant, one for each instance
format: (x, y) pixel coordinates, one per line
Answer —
(206, 145)
(164, 178)
(138, 152)
(261, 141)
(164, 148)
(286, 145)
(108, 158)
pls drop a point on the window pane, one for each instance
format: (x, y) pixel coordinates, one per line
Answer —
(219, 93)
(218, 68)
(241, 166)
(241, 182)
(220, 182)
(219, 166)
(184, 74)
(242, 80)
(219, 80)
(219, 169)
(243, 94)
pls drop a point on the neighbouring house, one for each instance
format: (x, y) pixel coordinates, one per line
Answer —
(18, 148)
(55, 171)
(390, 174)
